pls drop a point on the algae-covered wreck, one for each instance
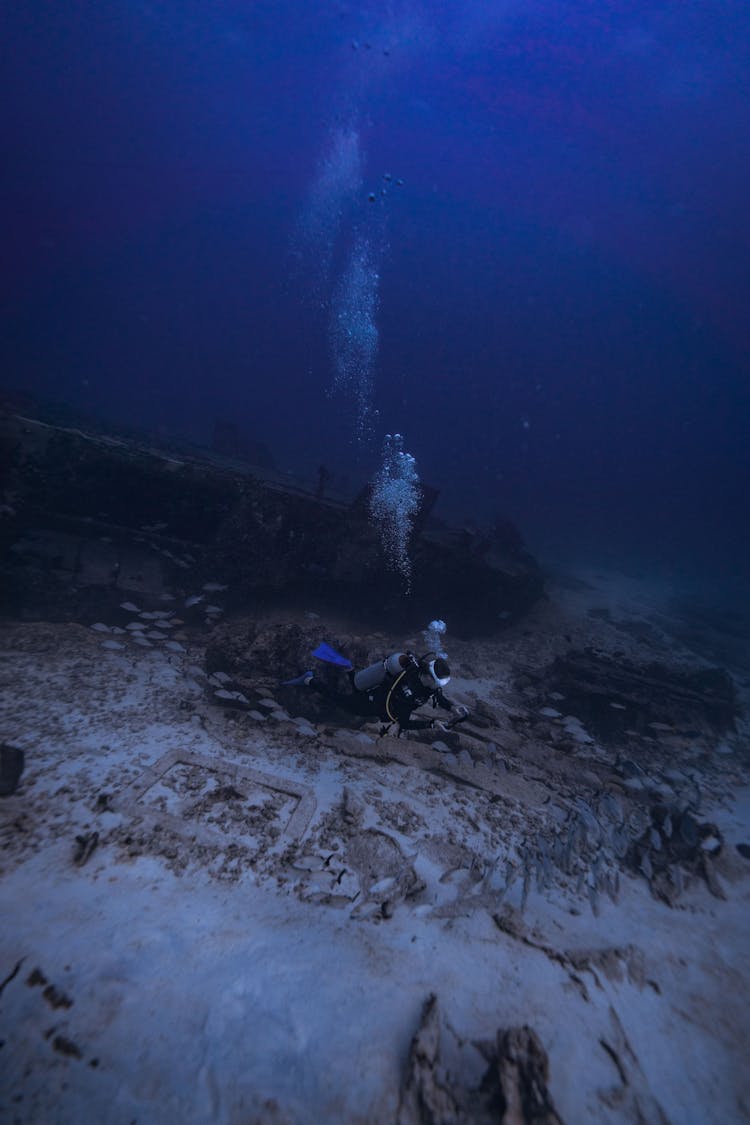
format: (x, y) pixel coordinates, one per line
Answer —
(87, 515)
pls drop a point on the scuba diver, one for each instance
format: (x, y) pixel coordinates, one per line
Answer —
(390, 689)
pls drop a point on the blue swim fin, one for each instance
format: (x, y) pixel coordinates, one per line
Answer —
(325, 652)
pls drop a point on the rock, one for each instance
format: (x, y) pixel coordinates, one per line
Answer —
(426, 1095)
(309, 863)
(523, 1074)
(382, 886)
(352, 808)
(513, 1091)
(304, 730)
(576, 730)
(85, 847)
(231, 698)
(12, 763)
(364, 910)
(712, 879)
(220, 679)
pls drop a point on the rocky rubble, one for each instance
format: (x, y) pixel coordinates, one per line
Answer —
(513, 1089)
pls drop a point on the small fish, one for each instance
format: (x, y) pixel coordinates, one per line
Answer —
(213, 587)
(129, 607)
(196, 599)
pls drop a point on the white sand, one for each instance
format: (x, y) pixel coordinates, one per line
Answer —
(206, 984)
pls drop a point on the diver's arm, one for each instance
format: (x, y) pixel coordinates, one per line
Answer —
(416, 724)
(443, 701)
(460, 711)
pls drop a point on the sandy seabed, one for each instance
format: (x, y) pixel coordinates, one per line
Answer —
(216, 914)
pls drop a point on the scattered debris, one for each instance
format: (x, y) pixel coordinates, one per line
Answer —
(85, 847)
(673, 846)
(65, 1046)
(513, 1091)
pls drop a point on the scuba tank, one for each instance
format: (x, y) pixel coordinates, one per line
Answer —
(372, 676)
(368, 678)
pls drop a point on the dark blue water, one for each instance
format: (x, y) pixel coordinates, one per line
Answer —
(202, 219)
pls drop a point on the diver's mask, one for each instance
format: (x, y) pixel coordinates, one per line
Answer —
(434, 673)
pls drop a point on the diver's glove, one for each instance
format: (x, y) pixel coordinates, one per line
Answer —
(459, 714)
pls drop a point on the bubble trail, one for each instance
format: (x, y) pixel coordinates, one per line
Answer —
(354, 334)
(394, 503)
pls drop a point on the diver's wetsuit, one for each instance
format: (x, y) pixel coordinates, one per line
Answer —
(391, 701)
